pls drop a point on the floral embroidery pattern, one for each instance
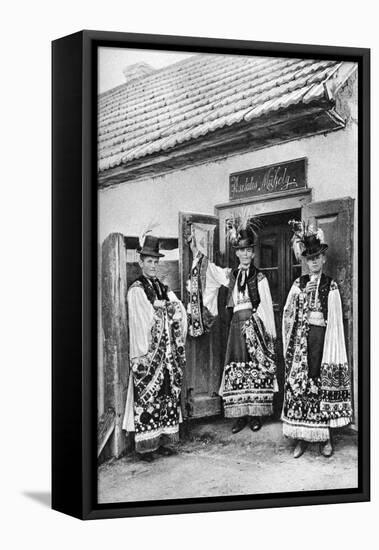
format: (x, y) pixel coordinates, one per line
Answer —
(249, 386)
(311, 402)
(158, 378)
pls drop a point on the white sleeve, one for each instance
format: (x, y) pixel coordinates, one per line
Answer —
(214, 279)
(265, 310)
(173, 298)
(141, 319)
(334, 346)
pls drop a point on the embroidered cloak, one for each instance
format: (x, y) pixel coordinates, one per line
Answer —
(157, 362)
(249, 376)
(312, 405)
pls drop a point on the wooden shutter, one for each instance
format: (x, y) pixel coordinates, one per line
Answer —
(115, 328)
(204, 361)
(336, 219)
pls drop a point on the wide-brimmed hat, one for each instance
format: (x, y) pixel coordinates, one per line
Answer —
(245, 239)
(313, 246)
(308, 240)
(150, 247)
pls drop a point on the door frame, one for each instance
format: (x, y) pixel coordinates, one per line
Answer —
(262, 205)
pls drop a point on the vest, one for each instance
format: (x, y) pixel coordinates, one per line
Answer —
(156, 292)
(252, 287)
(323, 291)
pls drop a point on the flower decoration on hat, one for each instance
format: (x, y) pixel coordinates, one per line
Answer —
(307, 240)
(242, 228)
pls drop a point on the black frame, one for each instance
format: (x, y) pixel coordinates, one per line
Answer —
(74, 205)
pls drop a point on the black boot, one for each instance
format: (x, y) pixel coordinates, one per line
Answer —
(167, 451)
(146, 457)
(255, 423)
(239, 424)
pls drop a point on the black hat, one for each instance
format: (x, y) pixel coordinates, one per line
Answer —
(245, 239)
(313, 246)
(150, 247)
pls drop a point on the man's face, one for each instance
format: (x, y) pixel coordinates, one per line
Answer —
(245, 255)
(149, 265)
(315, 264)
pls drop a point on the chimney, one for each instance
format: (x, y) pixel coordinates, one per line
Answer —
(136, 71)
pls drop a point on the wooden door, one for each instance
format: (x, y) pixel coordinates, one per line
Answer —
(336, 218)
(274, 257)
(203, 353)
(116, 353)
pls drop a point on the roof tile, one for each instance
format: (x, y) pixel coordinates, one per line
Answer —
(199, 95)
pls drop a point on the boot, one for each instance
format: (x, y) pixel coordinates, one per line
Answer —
(239, 424)
(146, 457)
(167, 451)
(300, 448)
(255, 423)
(326, 448)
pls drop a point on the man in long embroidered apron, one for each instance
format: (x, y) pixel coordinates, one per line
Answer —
(157, 332)
(249, 377)
(317, 395)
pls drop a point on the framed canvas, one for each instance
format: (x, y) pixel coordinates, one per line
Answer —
(211, 290)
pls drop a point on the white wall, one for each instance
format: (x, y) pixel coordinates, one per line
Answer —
(127, 208)
(332, 173)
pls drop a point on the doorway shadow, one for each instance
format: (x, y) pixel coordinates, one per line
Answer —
(42, 497)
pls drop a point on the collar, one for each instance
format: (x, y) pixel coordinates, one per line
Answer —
(250, 270)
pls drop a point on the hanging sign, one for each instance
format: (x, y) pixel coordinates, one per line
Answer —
(268, 179)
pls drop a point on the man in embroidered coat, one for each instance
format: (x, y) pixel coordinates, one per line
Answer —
(157, 332)
(249, 377)
(317, 394)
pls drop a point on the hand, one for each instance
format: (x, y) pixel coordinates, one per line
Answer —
(192, 244)
(312, 286)
(159, 304)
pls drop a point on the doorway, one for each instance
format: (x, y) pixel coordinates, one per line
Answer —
(275, 258)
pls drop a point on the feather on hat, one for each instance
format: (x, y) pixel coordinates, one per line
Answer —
(242, 228)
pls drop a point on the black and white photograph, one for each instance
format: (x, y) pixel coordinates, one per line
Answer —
(228, 276)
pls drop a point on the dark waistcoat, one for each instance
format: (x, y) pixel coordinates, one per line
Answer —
(323, 291)
(156, 292)
(252, 287)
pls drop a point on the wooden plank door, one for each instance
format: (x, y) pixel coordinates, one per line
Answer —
(204, 362)
(273, 257)
(336, 218)
(115, 328)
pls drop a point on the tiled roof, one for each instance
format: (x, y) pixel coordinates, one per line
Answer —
(199, 95)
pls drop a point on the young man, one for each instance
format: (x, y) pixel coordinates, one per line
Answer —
(248, 382)
(317, 393)
(157, 332)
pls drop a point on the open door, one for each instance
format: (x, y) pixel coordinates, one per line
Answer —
(336, 219)
(203, 353)
(116, 354)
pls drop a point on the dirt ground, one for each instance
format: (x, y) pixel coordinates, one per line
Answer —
(211, 461)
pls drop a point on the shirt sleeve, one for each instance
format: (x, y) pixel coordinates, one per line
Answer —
(265, 309)
(141, 319)
(214, 279)
(334, 346)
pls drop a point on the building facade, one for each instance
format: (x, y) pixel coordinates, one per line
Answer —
(197, 141)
